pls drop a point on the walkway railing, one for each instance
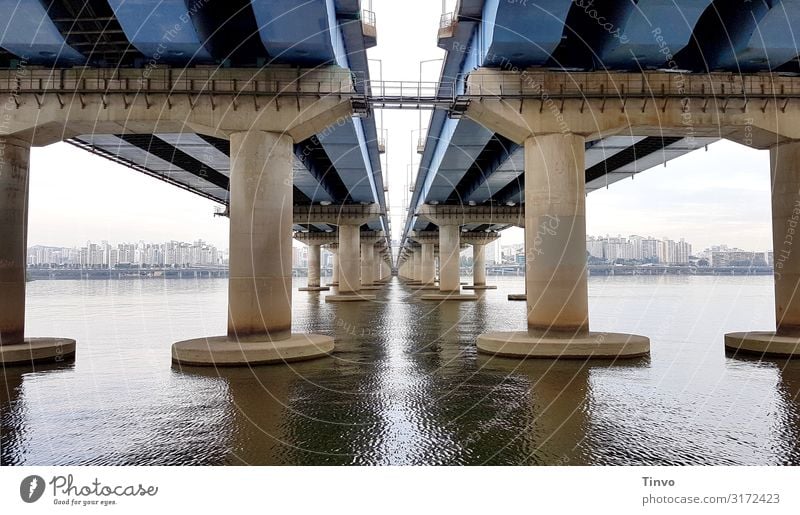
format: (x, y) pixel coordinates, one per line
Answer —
(452, 95)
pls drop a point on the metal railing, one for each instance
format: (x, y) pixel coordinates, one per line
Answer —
(369, 18)
(447, 25)
(365, 94)
(180, 81)
(409, 94)
(553, 84)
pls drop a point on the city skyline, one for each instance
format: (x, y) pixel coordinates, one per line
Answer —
(170, 253)
(726, 188)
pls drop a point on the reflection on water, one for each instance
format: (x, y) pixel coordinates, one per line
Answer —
(405, 386)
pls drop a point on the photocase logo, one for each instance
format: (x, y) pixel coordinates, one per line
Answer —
(31, 488)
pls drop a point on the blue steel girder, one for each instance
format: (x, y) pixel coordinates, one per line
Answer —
(461, 147)
(743, 36)
(300, 32)
(28, 33)
(161, 31)
(525, 33)
(652, 30)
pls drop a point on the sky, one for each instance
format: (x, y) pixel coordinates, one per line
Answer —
(718, 196)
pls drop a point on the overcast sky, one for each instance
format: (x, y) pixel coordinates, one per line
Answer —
(713, 197)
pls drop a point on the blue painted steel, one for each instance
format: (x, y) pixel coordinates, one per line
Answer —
(303, 32)
(768, 43)
(30, 34)
(654, 29)
(162, 30)
(520, 32)
(466, 143)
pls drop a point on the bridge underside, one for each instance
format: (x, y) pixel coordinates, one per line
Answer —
(465, 162)
(201, 164)
(341, 166)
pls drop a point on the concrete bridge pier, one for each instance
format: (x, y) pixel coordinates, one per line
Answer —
(479, 242)
(418, 265)
(334, 249)
(383, 273)
(427, 261)
(314, 270)
(785, 340)
(15, 349)
(314, 243)
(402, 266)
(414, 265)
(349, 266)
(368, 241)
(555, 262)
(428, 274)
(406, 265)
(260, 276)
(449, 266)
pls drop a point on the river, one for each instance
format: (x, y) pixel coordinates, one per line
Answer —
(405, 385)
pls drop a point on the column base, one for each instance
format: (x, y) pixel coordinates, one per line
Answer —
(480, 287)
(372, 287)
(314, 288)
(517, 296)
(425, 287)
(332, 284)
(521, 344)
(223, 351)
(37, 350)
(763, 343)
(449, 296)
(349, 297)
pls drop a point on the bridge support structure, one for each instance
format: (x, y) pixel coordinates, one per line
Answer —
(368, 262)
(427, 274)
(479, 240)
(15, 349)
(263, 118)
(333, 248)
(414, 264)
(314, 242)
(260, 282)
(756, 110)
(555, 262)
(785, 340)
(449, 266)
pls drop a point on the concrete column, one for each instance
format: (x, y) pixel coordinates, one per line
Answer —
(377, 269)
(555, 233)
(449, 251)
(428, 274)
(260, 284)
(335, 264)
(785, 340)
(313, 266)
(15, 349)
(14, 164)
(349, 259)
(555, 264)
(478, 265)
(785, 173)
(367, 263)
(418, 265)
(349, 266)
(260, 270)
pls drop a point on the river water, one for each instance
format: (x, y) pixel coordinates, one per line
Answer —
(405, 385)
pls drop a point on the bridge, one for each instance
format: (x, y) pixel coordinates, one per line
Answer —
(267, 107)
